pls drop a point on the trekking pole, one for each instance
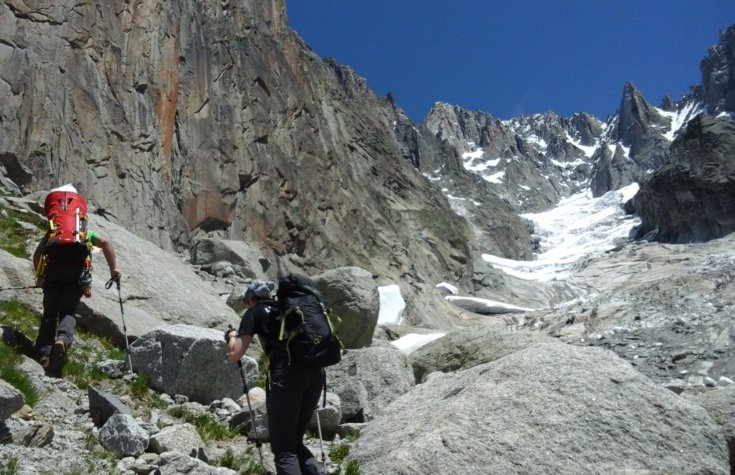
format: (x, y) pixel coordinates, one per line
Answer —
(20, 288)
(321, 447)
(258, 443)
(122, 316)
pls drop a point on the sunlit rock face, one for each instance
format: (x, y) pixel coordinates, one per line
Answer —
(215, 119)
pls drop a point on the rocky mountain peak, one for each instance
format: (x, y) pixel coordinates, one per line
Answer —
(718, 74)
(635, 119)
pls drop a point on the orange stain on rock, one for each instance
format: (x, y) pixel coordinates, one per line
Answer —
(166, 101)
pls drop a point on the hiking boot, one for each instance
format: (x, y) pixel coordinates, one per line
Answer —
(44, 361)
(57, 360)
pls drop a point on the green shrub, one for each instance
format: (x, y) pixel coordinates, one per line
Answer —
(9, 360)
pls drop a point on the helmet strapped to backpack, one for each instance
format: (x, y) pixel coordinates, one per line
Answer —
(307, 327)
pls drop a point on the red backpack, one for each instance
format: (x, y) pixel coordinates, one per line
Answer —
(66, 212)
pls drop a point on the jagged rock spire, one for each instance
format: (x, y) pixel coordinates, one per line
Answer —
(635, 117)
(718, 74)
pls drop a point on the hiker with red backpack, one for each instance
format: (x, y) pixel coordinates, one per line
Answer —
(293, 386)
(63, 269)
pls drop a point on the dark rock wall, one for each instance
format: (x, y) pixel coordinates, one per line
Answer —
(692, 199)
(718, 74)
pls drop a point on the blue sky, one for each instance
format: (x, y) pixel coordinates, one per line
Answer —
(515, 57)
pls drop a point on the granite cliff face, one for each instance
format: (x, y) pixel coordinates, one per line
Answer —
(183, 119)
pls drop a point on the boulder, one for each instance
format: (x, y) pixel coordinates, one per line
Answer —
(182, 438)
(330, 416)
(352, 294)
(720, 405)
(245, 256)
(188, 360)
(11, 400)
(468, 347)
(123, 436)
(103, 405)
(549, 408)
(253, 410)
(382, 372)
(175, 463)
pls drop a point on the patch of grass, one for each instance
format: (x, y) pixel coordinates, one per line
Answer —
(9, 360)
(242, 464)
(352, 468)
(207, 427)
(139, 388)
(111, 351)
(338, 453)
(19, 317)
(13, 235)
(9, 466)
(82, 375)
(103, 346)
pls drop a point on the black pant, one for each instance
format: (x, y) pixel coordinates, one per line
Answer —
(61, 295)
(292, 397)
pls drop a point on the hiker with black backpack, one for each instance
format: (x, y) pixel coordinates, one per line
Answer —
(292, 389)
(63, 269)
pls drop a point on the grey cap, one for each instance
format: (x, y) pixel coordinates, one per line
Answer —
(259, 289)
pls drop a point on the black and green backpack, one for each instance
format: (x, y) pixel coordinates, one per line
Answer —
(307, 327)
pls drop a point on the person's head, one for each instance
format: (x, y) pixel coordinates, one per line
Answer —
(257, 291)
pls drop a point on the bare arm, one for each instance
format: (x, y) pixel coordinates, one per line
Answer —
(109, 253)
(237, 346)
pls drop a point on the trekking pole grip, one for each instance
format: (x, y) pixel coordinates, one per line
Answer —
(109, 283)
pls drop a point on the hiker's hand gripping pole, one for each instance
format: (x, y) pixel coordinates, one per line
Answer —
(122, 316)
